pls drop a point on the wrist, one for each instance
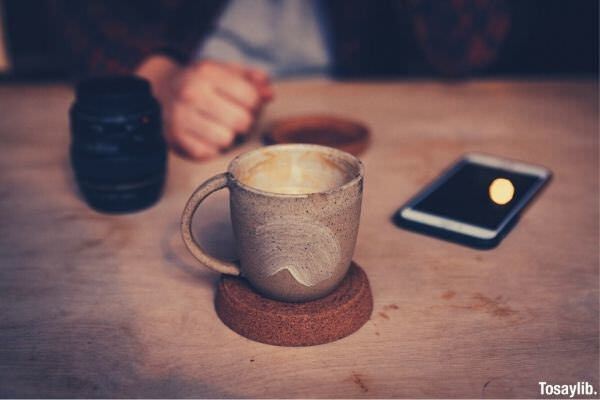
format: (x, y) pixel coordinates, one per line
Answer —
(158, 69)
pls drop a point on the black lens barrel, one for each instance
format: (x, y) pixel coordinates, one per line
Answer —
(118, 152)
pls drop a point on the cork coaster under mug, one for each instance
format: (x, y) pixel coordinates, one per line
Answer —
(327, 130)
(325, 320)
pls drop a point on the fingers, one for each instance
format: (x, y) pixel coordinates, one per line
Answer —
(204, 127)
(262, 82)
(255, 75)
(227, 82)
(258, 76)
(203, 97)
(209, 103)
(260, 79)
(186, 134)
(230, 114)
(266, 93)
(194, 147)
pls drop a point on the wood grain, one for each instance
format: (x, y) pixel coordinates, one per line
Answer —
(114, 306)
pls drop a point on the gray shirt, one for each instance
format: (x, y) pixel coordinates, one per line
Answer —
(283, 37)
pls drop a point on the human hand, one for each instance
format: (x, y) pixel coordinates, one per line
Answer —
(206, 104)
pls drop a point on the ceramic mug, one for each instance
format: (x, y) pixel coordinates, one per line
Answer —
(295, 210)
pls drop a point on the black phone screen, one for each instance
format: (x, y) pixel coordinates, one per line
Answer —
(478, 195)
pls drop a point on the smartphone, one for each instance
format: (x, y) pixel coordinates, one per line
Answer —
(476, 202)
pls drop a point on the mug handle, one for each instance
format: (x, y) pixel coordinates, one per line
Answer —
(213, 184)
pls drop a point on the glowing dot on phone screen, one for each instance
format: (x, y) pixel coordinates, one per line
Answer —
(501, 191)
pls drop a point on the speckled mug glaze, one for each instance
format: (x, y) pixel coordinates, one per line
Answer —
(295, 210)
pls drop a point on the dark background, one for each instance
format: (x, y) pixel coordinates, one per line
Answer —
(552, 37)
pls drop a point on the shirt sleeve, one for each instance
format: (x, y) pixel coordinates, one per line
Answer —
(113, 37)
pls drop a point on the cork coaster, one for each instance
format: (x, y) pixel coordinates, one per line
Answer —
(344, 134)
(330, 318)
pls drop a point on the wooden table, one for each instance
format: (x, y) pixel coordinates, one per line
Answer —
(97, 305)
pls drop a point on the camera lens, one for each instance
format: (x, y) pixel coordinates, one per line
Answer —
(118, 152)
